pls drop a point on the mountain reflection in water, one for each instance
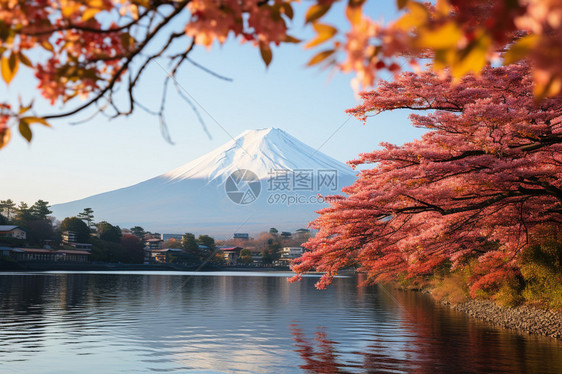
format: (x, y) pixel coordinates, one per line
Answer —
(244, 323)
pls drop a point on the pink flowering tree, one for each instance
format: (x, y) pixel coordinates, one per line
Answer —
(93, 49)
(488, 171)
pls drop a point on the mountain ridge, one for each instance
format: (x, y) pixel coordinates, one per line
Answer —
(196, 198)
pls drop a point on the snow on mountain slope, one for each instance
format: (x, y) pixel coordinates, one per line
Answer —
(260, 151)
(201, 197)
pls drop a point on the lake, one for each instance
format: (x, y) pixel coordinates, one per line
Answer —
(244, 322)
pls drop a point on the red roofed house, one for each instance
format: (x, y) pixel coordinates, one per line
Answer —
(231, 254)
(165, 255)
(47, 255)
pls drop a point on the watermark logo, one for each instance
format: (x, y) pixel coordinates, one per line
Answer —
(284, 180)
(284, 186)
(243, 187)
(300, 186)
(289, 199)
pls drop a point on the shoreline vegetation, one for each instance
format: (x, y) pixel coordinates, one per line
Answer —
(525, 296)
(520, 313)
(525, 319)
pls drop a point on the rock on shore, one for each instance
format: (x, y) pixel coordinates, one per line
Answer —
(525, 319)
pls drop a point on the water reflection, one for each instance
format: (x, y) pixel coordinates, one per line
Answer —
(250, 323)
(431, 339)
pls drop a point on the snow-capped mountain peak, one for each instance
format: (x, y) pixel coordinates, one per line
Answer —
(215, 195)
(260, 151)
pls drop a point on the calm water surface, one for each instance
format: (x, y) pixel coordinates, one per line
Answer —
(96, 322)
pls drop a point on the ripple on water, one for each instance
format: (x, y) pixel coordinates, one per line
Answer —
(243, 323)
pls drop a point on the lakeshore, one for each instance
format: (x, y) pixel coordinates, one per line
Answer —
(55, 266)
(245, 322)
(523, 319)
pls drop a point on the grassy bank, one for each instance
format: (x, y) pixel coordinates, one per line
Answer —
(526, 296)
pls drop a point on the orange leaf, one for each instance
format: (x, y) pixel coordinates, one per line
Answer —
(443, 7)
(5, 135)
(472, 58)
(95, 3)
(24, 60)
(9, 67)
(266, 53)
(417, 16)
(144, 3)
(446, 36)
(355, 3)
(30, 120)
(315, 12)
(291, 39)
(25, 108)
(319, 57)
(69, 9)
(89, 13)
(546, 85)
(401, 3)
(48, 46)
(520, 49)
(353, 14)
(288, 10)
(25, 131)
(127, 40)
(325, 32)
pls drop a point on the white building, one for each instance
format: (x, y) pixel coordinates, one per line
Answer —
(69, 237)
(13, 232)
(292, 252)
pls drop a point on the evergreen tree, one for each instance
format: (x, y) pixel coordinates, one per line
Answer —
(207, 241)
(88, 216)
(78, 226)
(138, 232)
(189, 244)
(40, 210)
(108, 232)
(7, 207)
(24, 215)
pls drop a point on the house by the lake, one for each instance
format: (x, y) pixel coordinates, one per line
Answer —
(12, 232)
(231, 254)
(165, 255)
(288, 254)
(48, 255)
(153, 243)
(70, 238)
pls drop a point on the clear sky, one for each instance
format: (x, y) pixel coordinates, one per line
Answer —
(69, 162)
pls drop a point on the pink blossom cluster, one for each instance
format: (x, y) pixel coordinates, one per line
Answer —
(78, 56)
(253, 20)
(488, 171)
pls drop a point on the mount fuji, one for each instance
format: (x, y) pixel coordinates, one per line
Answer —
(262, 178)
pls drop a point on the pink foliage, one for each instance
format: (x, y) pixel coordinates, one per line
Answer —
(488, 170)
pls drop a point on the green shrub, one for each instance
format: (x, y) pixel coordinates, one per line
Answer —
(541, 267)
(509, 294)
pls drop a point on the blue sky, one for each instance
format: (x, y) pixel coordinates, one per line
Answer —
(69, 162)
